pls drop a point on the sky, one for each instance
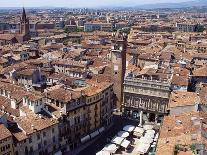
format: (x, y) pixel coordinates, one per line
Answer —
(79, 3)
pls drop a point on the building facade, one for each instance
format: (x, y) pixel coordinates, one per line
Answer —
(145, 97)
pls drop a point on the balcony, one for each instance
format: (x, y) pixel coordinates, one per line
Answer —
(148, 81)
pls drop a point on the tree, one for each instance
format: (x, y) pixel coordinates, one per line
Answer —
(199, 28)
(66, 29)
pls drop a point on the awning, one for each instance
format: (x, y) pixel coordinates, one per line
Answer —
(148, 127)
(111, 148)
(117, 140)
(94, 134)
(143, 148)
(101, 129)
(125, 143)
(152, 132)
(139, 130)
(85, 139)
(123, 134)
(146, 140)
(102, 153)
(129, 128)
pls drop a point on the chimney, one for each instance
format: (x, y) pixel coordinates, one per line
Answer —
(32, 126)
(40, 116)
(82, 93)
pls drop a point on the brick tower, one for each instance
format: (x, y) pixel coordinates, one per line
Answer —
(24, 24)
(118, 58)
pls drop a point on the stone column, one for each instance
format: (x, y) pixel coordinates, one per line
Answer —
(131, 113)
(156, 118)
(140, 118)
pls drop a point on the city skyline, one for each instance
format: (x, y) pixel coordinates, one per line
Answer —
(80, 3)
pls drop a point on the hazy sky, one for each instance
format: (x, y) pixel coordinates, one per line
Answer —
(78, 3)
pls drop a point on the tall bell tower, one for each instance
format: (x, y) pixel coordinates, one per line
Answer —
(24, 24)
(118, 58)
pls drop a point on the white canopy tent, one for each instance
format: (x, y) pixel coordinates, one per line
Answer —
(123, 134)
(149, 136)
(102, 153)
(148, 127)
(139, 130)
(146, 140)
(143, 148)
(151, 132)
(129, 128)
(125, 143)
(111, 148)
(117, 140)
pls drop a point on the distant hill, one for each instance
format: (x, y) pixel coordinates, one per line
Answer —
(194, 3)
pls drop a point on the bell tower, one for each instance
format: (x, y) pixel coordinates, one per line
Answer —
(118, 59)
(24, 23)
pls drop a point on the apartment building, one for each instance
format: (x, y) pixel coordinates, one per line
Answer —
(6, 141)
(185, 27)
(83, 113)
(90, 27)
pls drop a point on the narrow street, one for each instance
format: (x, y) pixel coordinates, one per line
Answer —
(99, 144)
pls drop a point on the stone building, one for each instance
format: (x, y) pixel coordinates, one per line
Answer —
(146, 95)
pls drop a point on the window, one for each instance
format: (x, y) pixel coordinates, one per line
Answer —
(8, 146)
(54, 147)
(45, 142)
(53, 130)
(39, 146)
(26, 150)
(30, 140)
(44, 134)
(38, 136)
(16, 153)
(31, 149)
(53, 138)
(2, 149)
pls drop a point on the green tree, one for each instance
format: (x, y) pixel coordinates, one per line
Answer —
(66, 29)
(199, 28)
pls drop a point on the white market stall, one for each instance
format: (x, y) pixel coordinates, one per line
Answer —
(151, 132)
(111, 148)
(123, 134)
(125, 143)
(146, 140)
(129, 128)
(117, 140)
(102, 153)
(148, 127)
(143, 148)
(138, 131)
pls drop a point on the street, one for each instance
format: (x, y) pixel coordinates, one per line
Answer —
(99, 144)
